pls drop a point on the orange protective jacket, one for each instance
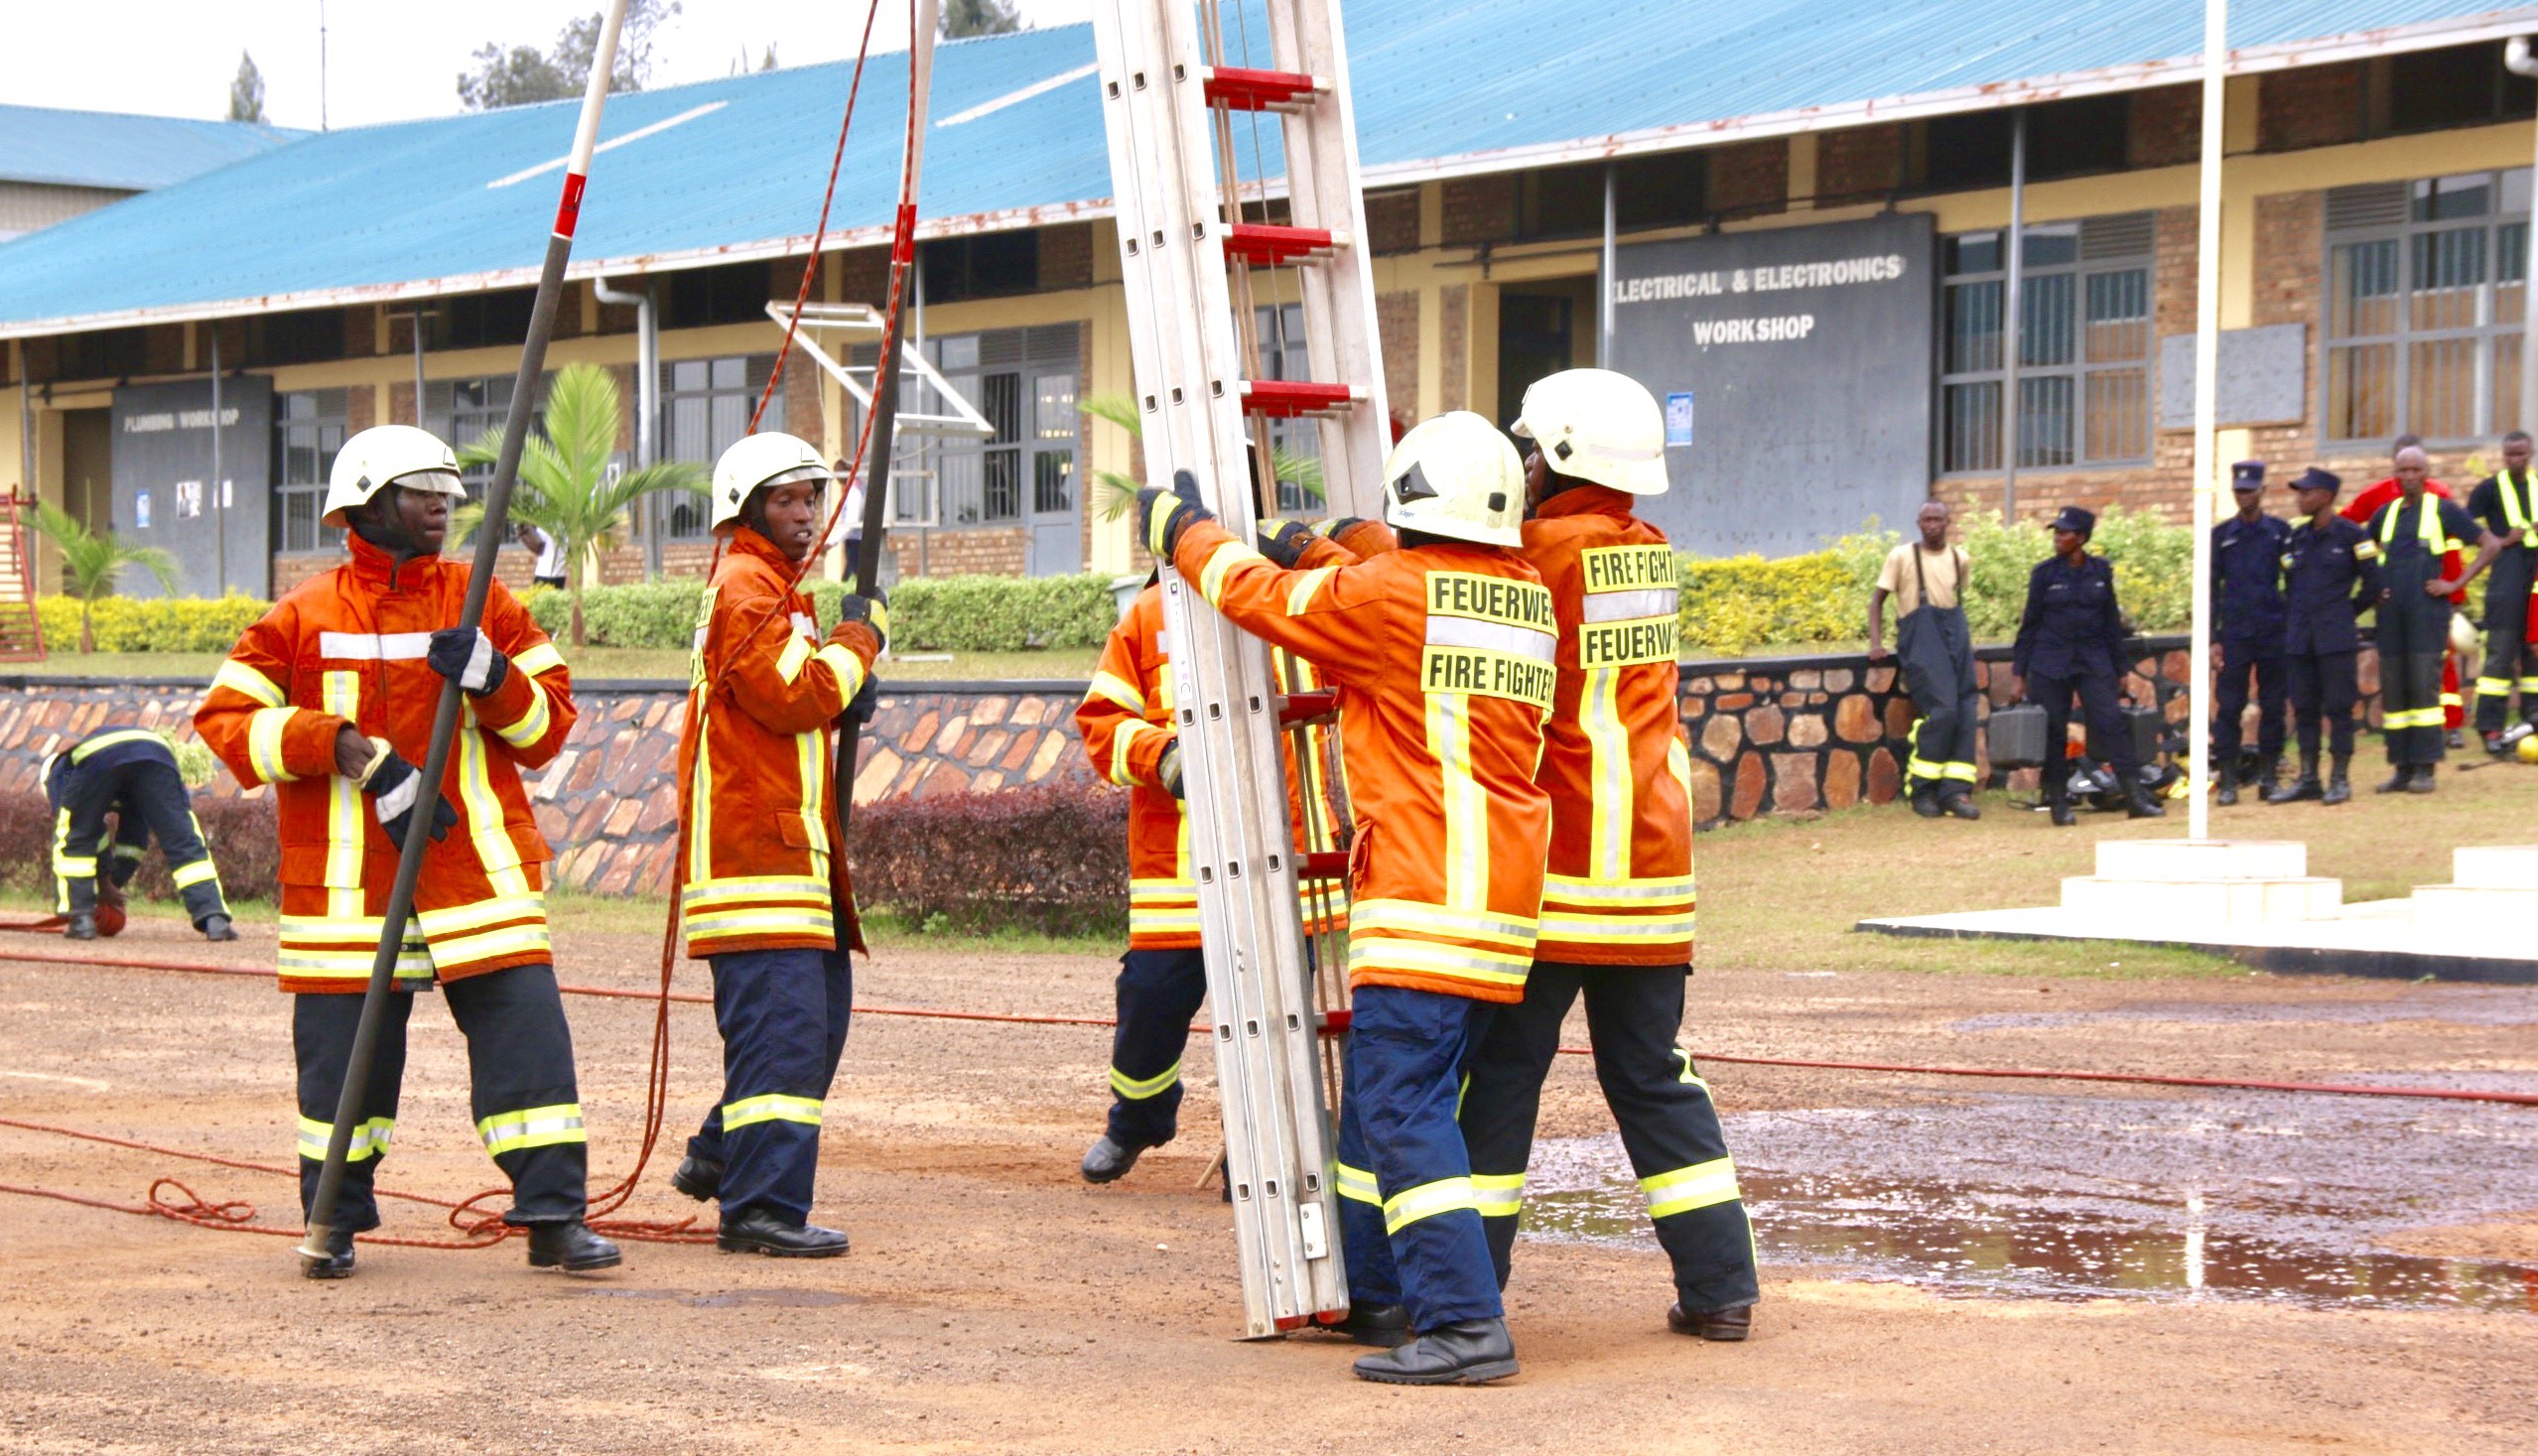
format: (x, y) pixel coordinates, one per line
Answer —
(1443, 655)
(1619, 891)
(1125, 723)
(758, 790)
(348, 648)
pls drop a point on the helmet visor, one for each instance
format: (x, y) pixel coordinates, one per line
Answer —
(432, 482)
(799, 474)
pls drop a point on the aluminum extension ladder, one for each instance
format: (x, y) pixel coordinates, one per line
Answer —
(1187, 249)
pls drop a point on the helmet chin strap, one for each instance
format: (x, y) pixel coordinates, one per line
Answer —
(381, 522)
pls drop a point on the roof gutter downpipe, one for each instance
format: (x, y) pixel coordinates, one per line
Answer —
(2516, 55)
(647, 404)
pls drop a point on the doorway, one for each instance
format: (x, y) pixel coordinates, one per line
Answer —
(88, 467)
(1542, 328)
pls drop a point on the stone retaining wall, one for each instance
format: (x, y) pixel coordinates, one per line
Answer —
(1777, 736)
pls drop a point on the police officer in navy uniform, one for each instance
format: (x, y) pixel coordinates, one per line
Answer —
(2331, 576)
(2070, 642)
(2247, 623)
(2415, 533)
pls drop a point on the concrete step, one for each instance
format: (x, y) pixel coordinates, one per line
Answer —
(2467, 905)
(2187, 860)
(2155, 905)
(2495, 867)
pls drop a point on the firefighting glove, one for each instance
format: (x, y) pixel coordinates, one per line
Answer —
(873, 611)
(1163, 515)
(866, 702)
(393, 786)
(1168, 769)
(468, 659)
(1283, 542)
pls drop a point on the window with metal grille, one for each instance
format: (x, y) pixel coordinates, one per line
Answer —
(1279, 330)
(705, 410)
(2083, 357)
(465, 412)
(1024, 382)
(2425, 307)
(308, 427)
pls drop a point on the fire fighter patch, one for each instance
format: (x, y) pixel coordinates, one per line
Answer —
(1479, 671)
(1628, 568)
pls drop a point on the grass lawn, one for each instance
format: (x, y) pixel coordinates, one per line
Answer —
(1072, 664)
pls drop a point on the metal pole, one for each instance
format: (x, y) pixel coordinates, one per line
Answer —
(2517, 57)
(1605, 268)
(886, 375)
(444, 717)
(2013, 262)
(2206, 422)
(418, 368)
(219, 501)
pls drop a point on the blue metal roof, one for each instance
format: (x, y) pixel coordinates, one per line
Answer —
(111, 149)
(731, 168)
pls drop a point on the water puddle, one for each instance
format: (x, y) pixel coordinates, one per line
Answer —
(2456, 1006)
(2255, 1197)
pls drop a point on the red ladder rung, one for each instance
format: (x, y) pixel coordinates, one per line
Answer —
(1246, 88)
(1322, 865)
(1312, 705)
(1268, 244)
(1284, 399)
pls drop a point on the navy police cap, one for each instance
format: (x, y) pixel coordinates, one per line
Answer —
(2314, 479)
(2073, 518)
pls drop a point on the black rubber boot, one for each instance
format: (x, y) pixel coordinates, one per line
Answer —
(82, 926)
(1106, 1161)
(2403, 775)
(1465, 1353)
(1958, 800)
(2057, 795)
(1926, 801)
(756, 1229)
(1715, 1324)
(217, 928)
(2272, 777)
(697, 1178)
(1384, 1326)
(2140, 802)
(2421, 782)
(2228, 794)
(572, 1248)
(2306, 788)
(338, 1264)
(2339, 789)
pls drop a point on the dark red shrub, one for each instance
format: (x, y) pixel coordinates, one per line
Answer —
(1054, 856)
(241, 832)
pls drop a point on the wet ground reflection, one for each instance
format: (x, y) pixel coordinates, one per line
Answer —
(2257, 1197)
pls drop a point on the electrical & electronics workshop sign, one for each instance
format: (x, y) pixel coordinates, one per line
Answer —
(1795, 368)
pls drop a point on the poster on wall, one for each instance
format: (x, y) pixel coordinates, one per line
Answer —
(1808, 351)
(161, 447)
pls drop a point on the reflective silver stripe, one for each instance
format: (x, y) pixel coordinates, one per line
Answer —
(1464, 631)
(807, 625)
(1621, 607)
(374, 646)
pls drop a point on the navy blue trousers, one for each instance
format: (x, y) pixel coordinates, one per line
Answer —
(1411, 1225)
(782, 1015)
(1158, 992)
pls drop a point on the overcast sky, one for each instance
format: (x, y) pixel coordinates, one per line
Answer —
(386, 59)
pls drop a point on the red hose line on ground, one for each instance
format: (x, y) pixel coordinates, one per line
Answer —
(1027, 1018)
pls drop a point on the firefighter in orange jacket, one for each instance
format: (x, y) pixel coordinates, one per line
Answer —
(1125, 724)
(765, 892)
(1617, 903)
(1442, 654)
(330, 697)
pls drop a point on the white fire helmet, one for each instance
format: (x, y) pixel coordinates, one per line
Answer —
(771, 458)
(1456, 475)
(1599, 426)
(390, 454)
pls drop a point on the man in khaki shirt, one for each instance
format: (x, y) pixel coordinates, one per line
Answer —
(1936, 649)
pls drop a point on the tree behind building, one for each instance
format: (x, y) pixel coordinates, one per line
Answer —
(247, 92)
(516, 75)
(965, 18)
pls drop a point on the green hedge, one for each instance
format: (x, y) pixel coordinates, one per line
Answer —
(927, 613)
(157, 624)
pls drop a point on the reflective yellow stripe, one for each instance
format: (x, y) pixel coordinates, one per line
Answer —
(774, 1107)
(369, 1139)
(789, 662)
(135, 851)
(103, 741)
(1427, 1201)
(532, 1128)
(1653, 892)
(237, 677)
(264, 743)
(2411, 718)
(1703, 1185)
(1138, 1088)
(454, 952)
(1408, 917)
(1226, 557)
(1688, 1076)
(1299, 597)
(1112, 688)
(1127, 734)
(2451, 700)
(1358, 1184)
(1959, 770)
(189, 876)
(845, 666)
(533, 725)
(2493, 687)
(709, 924)
(699, 804)
(1465, 859)
(1605, 929)
(753, 888)
(1498, 1195)
(1426, 958)
(1599, 716)
(341, 693)
(542, 658)
(481, 814)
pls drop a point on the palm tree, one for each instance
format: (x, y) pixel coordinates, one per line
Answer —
(1119, 492)
(91, 564)
(565, 488)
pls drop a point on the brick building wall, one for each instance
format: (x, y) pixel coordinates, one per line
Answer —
(1391, 221)
(1454, 346)
(1749, 176)
(1479, 210)
(1396, 325)
(1858, 162)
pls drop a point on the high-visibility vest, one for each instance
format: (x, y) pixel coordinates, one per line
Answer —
(2515, 505)
(2427, 525)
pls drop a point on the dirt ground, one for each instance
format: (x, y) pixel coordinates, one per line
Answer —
(994, 1302)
